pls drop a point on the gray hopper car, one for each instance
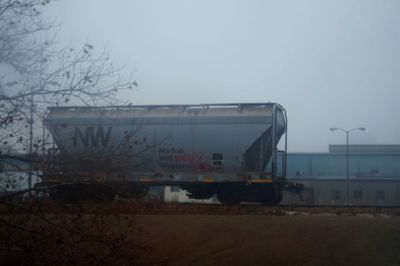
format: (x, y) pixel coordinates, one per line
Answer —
(227, 150)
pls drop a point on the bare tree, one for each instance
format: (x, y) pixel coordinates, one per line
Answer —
(36, 73)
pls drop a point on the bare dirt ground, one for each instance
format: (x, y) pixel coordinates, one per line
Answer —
(167, 234)
(271, 240)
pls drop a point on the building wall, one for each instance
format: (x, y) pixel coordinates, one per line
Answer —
(372, 192)
(374, 176)
(14, 175)
(334, 165)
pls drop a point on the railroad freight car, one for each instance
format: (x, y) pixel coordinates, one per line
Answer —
(227, 150)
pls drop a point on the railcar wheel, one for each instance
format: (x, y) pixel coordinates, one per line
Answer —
(229, 195)
(228, 200)
(271, 197)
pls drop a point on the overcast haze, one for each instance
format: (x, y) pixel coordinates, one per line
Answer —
(329, 63)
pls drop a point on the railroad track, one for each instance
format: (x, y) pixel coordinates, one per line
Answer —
(292, 205)
(131, 207)
(248, 208)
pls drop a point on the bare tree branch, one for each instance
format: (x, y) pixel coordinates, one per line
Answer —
(34, 68)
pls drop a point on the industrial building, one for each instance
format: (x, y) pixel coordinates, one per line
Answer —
(373, 177)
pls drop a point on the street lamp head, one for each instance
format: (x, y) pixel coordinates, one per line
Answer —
(347, 130)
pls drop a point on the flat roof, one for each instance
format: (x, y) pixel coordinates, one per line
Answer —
(365, 149)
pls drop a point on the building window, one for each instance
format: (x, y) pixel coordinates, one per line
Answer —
(357, 194)
(375, 171)
(380, 195)
(335, 194)
(217, 160)
(175, 189)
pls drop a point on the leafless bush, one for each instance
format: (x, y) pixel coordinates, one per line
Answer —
(48, 233)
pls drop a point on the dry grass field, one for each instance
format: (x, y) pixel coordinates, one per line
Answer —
(161, 234)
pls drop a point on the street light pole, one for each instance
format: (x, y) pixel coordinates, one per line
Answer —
(347, 157)
(30, 145)
(347, 131)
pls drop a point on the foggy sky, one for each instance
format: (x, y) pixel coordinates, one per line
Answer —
(329, 63)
